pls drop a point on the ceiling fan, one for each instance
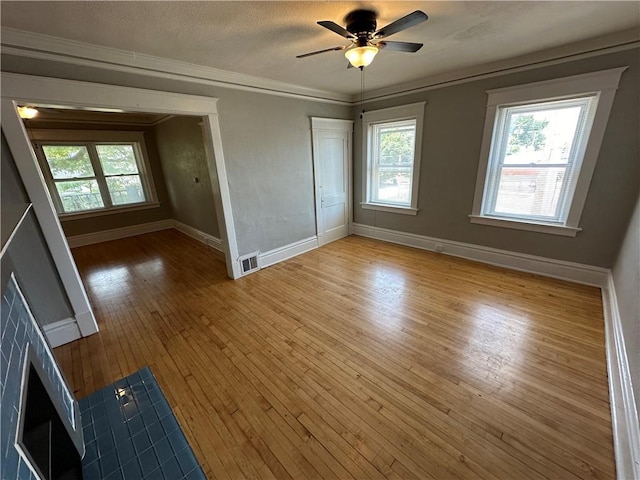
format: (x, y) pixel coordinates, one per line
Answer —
(366, 40)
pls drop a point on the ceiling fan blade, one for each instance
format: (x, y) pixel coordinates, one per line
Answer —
(334, 27)
(402, 24)
(400, 46)
(342, 47)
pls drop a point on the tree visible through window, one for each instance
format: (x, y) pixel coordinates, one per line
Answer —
(392, 158)
(539, 150)
(535, 158)
(393, 151)
(89, 176)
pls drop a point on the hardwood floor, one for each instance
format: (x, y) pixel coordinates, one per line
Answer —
(358, 360)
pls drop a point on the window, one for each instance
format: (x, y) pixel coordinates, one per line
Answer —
(94, 176)
(539, 150)
(393, 140)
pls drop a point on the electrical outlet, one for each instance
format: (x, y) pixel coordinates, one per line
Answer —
(439, 247)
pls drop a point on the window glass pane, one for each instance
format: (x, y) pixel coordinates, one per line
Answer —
(394, 185)
(393, 173)
(542, 134)
(396, 143)
(68, 161)
(529, 192)
(117, 159)
(125, 189)
(79, 195)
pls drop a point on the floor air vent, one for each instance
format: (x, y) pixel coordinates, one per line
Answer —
(249, 263)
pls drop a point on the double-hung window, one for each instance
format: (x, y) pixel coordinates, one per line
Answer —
(94, 172)
(393, 139)
(540, 146)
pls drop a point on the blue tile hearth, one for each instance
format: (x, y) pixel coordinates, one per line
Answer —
(131, 433)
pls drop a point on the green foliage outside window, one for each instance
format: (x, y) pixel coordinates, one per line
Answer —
(525, 132)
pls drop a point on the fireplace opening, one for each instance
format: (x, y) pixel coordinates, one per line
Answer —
(42, 435)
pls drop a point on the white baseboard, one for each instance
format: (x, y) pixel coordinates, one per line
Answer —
(574, 272)
(117, 233)
(210, 240)
(624, 415)
(288, 251)
(61, 332)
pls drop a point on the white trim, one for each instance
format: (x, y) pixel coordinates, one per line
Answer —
(389, 208)
(95, 136)
(67, 217)
(34, 184)
(221, 193)
(61, 332)
(338, 126)
(45, 47)
(522, 225)
(34, 45)
(199, 235)
(118, 233)
(603, 83)
(411, 111)
(557, 87)
(624, 416)
(44, 90)
(286, 252)
(549, 267)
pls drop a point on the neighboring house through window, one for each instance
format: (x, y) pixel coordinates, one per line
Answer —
(95, 172)
(393, 144)
(540, 146)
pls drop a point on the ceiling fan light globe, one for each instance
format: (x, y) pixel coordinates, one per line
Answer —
(361, 56)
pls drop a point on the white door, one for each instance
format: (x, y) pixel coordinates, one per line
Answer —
(332, 170)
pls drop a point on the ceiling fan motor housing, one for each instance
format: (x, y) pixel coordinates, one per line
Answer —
(362, 23)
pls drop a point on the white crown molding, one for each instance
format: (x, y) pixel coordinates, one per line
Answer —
(45, 47)
(593, 47)
(624, 415)
(548, 267)
(35, 45)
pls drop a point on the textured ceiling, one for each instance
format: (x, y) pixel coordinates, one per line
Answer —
(263, 38)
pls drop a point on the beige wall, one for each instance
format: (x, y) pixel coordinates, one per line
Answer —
(27, 255)
(267, 146)
(184, 165)
(626, 278)
(453, 126)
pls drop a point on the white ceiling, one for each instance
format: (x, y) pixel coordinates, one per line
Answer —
(263, 38)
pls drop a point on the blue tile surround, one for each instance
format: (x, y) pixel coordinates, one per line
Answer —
(131, 433)
(17, 330)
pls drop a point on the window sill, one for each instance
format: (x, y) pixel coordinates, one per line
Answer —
(389, 208)
(64, 217)
(525, 225)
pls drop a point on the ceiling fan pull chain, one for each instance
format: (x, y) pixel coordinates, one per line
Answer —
(362, 91)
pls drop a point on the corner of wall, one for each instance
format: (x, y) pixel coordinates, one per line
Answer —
(624, 415)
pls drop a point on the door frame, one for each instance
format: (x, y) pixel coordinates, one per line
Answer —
(29, 89)
(331, 124)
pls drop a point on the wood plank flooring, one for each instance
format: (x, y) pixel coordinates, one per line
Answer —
(359, 360)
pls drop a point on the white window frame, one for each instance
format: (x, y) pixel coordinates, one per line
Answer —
(414, 111)
(84, 137)
(603, 85)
